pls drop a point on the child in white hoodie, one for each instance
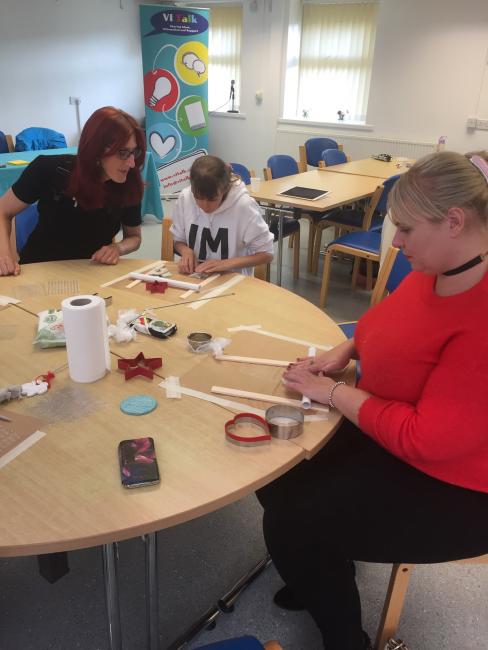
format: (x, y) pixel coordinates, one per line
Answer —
(217, 226)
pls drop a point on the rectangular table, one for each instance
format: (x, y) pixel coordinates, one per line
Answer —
(343, 189)
(371, 167)
(151, 201)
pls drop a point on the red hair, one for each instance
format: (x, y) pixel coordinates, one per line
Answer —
(106, 131)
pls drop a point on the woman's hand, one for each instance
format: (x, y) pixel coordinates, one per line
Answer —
(308, 383)
(7, 265)
(330, 361)
(107, 254)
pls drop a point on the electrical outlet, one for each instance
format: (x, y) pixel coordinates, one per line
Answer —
(471, 122)
(482, 125)
(74, 100)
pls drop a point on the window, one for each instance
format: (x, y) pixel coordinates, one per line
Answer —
(329, 62)
(224, 55)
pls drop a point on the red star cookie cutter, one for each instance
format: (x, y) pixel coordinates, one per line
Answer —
(139, 365)
(156, 287)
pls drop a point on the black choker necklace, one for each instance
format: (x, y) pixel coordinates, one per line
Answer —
(468, 265)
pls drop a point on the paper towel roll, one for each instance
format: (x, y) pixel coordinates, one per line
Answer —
(85, 326)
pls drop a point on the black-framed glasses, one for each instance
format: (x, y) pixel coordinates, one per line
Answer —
(125, 154)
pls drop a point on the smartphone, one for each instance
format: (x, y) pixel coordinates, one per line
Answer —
(138, 464)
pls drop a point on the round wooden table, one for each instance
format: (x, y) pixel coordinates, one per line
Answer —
(64, 492)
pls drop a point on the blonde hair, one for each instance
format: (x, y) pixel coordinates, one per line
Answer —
(438, 182)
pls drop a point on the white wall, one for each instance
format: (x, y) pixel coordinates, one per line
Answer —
(53, 49)
(430, 60)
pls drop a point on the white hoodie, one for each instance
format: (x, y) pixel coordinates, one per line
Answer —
(235, 229)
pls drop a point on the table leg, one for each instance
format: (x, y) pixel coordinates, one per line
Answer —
(110, 560)
(152, 591)
(280, 249)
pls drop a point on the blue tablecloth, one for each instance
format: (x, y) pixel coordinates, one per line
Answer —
(151, 201)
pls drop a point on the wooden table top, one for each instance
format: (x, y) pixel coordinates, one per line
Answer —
(370, 167)
(64, 492)
(343, 189)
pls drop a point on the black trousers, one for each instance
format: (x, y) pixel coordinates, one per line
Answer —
(355, 501)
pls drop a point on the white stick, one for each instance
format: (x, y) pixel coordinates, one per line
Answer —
(208, 280)
(254, 360)
(171, 283)
(229, 404)
(260, 397)
(127, 275)
(306, 401)
(257, 330)
(156, 269)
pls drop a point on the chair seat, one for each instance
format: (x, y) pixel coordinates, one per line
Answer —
(365, 240)
(290, 226)
(242, 643)
(350, 217)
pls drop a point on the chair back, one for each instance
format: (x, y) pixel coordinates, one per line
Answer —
(387, 185)
(282, 165)
(333, 157)
(393, 270)
(3, 143)
(25, 222)
(311, 151)
(242, 171)
(35, 138)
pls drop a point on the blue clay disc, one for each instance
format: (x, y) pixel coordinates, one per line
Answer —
(138, 404)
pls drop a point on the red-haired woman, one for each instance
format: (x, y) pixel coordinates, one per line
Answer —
(83, 200)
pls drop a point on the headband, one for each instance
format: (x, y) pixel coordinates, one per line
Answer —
(481, 164)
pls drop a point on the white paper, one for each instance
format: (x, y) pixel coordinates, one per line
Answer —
(85, 326)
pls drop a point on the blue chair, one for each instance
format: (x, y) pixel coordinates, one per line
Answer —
(310, 153)
(25, 222)
(35, 138)
(333, 157)
(355, 219)
(242, 171)
(362, 244)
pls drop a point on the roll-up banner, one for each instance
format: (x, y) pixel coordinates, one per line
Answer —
(175, 67)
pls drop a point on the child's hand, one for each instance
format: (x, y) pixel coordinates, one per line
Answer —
(214, 266)
(187, 263)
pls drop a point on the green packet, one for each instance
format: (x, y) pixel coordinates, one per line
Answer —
(50, 329)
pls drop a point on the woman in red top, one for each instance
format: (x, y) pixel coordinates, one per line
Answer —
(405, 478)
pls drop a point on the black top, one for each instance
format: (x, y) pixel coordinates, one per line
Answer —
(65, 231)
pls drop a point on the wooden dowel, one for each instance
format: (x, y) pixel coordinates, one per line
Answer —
(260, 397)
(254, 360)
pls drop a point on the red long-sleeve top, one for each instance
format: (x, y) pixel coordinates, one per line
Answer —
(424, 359)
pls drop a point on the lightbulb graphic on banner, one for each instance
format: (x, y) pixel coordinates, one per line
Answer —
(162, 87)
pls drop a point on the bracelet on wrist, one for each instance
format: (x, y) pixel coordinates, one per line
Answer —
(331, 392)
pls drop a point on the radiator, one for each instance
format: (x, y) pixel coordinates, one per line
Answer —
(362, 146)
(355, 146)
